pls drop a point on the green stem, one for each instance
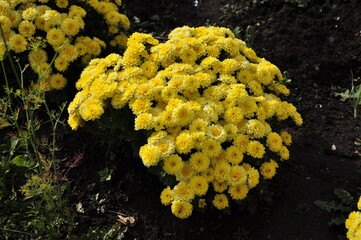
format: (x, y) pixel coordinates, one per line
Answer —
(5, 75)
(358, 101)
(31, 131)
(8, 95)
(7, 50)
(15, 231)
(53, 144)
(355, 112)
(50, 64)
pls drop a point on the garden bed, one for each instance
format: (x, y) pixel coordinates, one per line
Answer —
(320, 50)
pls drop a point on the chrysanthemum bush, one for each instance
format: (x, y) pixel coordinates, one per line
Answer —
(46, 29)
(353, 223)
(210, 104)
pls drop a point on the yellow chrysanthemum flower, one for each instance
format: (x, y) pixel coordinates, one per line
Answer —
(221, 172)
(6, 23)
(183, 115)
(217, 132)
(173, 164)
(75, 121)
(286, 138)
(255, 128)
(220, 201)
(184, 143)
(231, 131)
(61, 3)
(76, 11)
(61, 64)
(91, 109)
(55, 37)
(211, 147)
(219, 187)
(255, 149)
(150, 155)
(166, 197)
(149, 69)
(29, 14)
(188, 55)
(112, 17)
(182, 209)
(284, 153)
(208, 174)
(353, 225)
(234, 155)
(233, 115)
(37, 56)
(282, 89)
(143, 121)
(198, 138)
(274, 142)
(57, 81)
(26, 28)
(185, 173)
(199, 185)
(297, 118)
(18, 43)
(253, 177)
(229, 66)
(241, 142)
(268, 169)
(169, 93)
(221, 158)
(69, 53)
(238, 192)
(71, 26)
(264, 75)
(124, 22)
(198, 125)
(237, 175)
(255, 87)
(244, 76)
(139, 106)
(199, 161)
(183, 192)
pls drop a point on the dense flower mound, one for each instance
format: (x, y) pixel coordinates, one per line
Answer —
(209, 101)
(353, 223)
(43, 28)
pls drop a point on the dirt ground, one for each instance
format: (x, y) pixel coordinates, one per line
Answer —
(319, 49)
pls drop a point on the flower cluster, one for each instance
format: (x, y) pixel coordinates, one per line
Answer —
(208, 100)
(353, 223)
(55, 29)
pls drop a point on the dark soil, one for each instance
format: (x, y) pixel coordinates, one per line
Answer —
(319, 50)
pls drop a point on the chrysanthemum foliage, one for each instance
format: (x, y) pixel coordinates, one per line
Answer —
(209, 102)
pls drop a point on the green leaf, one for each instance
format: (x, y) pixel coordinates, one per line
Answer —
(338, 221)
(105, 174)
(344, 95)
(344, 208)
(4, 123)
(327, 206)
(21, 162)
(13, 143)
(344, 196)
